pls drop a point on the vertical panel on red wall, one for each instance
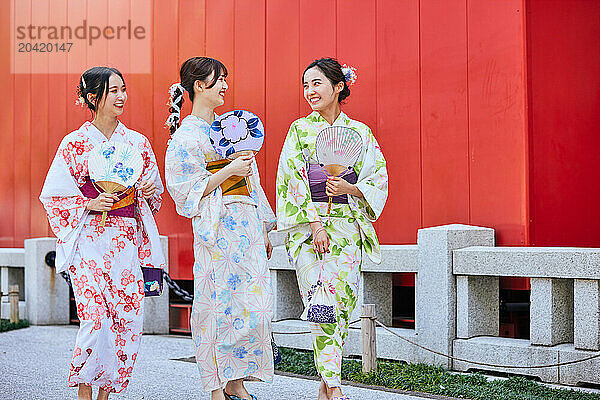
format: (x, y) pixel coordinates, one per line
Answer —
(564, 83)
(7, 178)
(76, 65)
(444, 129)
(22, 144)
(356, 46)
(247, 78)
(165, 72)
(220, 20)
(282, 70)
(192, 36)
(139, 105)
(497, 120)
(61, 99)
(97, 14)
(118, 53)
(318, 30)
(398, 122)
(39, 124)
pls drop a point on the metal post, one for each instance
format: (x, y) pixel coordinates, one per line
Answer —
(13, 296)
(369, 347)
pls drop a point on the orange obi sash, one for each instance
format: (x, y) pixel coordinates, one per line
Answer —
(232, 185)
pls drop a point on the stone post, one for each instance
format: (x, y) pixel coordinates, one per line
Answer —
(587, 314)
(375, 288)
(47, 293)
(477, 306)
(156, 309)
(436, 286)
(551, 311)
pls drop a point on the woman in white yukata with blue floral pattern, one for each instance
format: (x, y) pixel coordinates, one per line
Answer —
(232, 308)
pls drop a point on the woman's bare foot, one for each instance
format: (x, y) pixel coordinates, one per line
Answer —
(102, 394)
(237, 388)
(323, 389)
(335, 392)
(217, 395)
(84, 392)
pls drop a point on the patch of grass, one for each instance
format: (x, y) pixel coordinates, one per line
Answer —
(6, 325)
(435, 380)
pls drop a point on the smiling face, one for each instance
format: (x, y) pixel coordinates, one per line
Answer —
(113, 102)
(318, 90)
(212, 96)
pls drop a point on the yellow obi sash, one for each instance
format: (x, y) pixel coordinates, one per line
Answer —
(232, 185)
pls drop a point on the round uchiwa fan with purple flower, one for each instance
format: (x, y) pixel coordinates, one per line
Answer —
(114, 167)
(236, 131)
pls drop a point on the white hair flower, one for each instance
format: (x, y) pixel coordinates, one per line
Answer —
(349, 74)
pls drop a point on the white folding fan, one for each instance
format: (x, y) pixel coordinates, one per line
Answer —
(114, 167)
(337, 150)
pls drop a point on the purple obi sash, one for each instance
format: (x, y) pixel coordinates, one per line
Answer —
(125, 207)
(317, 180)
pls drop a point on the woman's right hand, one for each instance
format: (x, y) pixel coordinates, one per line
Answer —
(320, 238)
(103, 202)
(241, 166)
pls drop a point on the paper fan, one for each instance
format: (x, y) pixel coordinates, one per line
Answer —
(114, 167)
(337, 149)
(236, 131)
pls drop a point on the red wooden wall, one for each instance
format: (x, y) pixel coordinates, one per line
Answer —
(442, 83)
(564, 121)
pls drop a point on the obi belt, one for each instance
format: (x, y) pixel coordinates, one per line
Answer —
(317, 180)
(232, 185)
(123, 208)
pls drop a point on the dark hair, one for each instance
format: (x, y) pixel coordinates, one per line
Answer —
(95, 81)
(331, 68)
(192, 70)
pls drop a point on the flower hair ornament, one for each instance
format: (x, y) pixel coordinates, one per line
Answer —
(349, 74)
(80, 100)
(176, 92)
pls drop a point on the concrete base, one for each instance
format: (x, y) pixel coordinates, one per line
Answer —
(505, 351)
(47, 293)
(388, 346)
(587, 372)
(156, 309)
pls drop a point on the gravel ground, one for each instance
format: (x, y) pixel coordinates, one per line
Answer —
(33, 365)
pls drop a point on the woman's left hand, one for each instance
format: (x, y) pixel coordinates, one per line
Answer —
(148, 188)
(268, 245)
(337, 186)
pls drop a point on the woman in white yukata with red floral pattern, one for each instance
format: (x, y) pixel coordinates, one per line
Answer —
(104, 262)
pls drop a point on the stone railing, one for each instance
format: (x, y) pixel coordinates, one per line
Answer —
(12, 273)
(457, 304)
(564, 310)
(47, 293)
(457, 272)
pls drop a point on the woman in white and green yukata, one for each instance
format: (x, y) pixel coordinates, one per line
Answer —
(342, 237)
